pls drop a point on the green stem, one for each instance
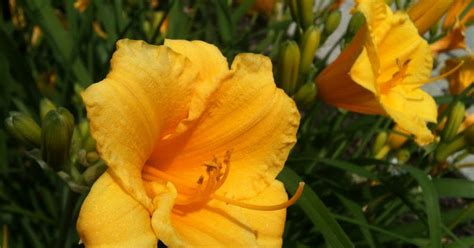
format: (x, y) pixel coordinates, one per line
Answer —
(66, 218)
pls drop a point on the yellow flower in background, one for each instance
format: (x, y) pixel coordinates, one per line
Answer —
(382, 70)
(192, 147)
(461, 78)
(425, 13)
(456, 27)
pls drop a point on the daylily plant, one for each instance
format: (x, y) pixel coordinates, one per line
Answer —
(382, 70)
(192, 149)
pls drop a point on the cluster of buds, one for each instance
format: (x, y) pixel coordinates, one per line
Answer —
(455, 136)
(58, 145)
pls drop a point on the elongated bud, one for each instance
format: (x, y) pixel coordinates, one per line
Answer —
(356, 22)
(397, 138)
(308, 46)
(289, 66)
(45, 106)
(293, 9)
(306, 95)
(23, 128)
(444, 150)
(332, 21)
(455, 118)
(305, 12)
(469, 135)
(58, 127)
(379, 142)
(92, 173)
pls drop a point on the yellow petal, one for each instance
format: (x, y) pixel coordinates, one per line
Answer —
(218, 224)
(425, 13)
(110, 217)
(461, 78)
(247, 115)
(212, 67)
(454, 13)
(422, 109)
(144, 97)
(335, 86)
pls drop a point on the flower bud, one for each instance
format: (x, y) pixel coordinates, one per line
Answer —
(332, 22)
(356, 22)
(308, 45)
(45, 106)
(469, 135)
(379, 142)
(91, 174)
(306, 95)
(397, 138)
(293, 9)
(455, 118)
(305, 12)
(23, 128)
(403, 155)
(289, 66)
(58, 127)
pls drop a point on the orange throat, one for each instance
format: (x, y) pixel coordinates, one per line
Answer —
(204, 188)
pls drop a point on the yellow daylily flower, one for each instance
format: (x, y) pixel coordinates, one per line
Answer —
(425, 13)
(192, 149)
(382, 70)
(460, 79)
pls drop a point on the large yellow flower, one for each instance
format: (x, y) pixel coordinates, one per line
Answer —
(193, 149)
(382, 70)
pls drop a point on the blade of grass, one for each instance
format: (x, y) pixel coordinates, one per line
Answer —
(357, 213)
(451, 187)
(316, 211)
(431, 204)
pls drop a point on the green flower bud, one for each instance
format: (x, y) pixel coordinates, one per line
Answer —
(92, 173)
(58, 127)
(306, 95)
(332, 21)
(45, 106)
(308, 46)
(293, 9)
(469, 135)
(444, 150)
(305, 12)
(455, 118)
(289, 66)
(403, 156)
(379, 142)
(23, 128)
(356, 22)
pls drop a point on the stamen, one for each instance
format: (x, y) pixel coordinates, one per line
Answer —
(444, 75)
(290, 202)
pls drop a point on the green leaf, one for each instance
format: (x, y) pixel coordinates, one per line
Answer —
(349, 167)
(356, 211)
(316, 211)
(58, 38)
(431, 204)
(451, 187)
